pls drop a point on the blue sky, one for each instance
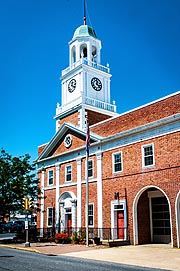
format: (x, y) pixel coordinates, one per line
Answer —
(140, 41)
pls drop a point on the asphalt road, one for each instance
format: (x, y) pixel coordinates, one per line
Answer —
(13, 260)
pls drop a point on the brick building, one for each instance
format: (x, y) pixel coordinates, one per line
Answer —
(133, 164)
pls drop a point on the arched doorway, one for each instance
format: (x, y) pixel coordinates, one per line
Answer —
(151, 216)
(67, 203)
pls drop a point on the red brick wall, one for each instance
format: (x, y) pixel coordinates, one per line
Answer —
(63, 172)
(77, 142)
(165, 150)
(50, 199)
(93, 158)
(165, 175)
(41, 148)
(95, 117)
(139, 117)
(92, 199)
(72, 118)
(143, 219)
(167, 180)
(46, 181)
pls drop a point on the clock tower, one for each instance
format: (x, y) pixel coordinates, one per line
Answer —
(85, 82)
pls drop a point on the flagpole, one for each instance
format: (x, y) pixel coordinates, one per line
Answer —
(87, 200)
(84, 12)
(87, 184)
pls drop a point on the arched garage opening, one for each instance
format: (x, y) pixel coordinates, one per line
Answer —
(151, 217)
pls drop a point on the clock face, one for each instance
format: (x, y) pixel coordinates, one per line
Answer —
(96, 83)
(72, 85)
(68, 141)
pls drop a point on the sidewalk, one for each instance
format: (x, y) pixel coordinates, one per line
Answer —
(155, 256)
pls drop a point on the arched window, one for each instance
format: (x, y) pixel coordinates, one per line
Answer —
(94, 54)
(73, 53)
(83, 51)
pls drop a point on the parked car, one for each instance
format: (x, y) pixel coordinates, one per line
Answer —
(8, 226)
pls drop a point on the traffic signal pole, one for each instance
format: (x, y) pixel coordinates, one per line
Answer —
(27, 244)
(26, 207)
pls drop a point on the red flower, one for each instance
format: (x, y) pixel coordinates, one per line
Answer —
(61, 235)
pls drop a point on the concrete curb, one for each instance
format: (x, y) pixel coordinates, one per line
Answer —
(21, 248)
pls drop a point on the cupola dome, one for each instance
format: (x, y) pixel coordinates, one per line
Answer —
(84, 31)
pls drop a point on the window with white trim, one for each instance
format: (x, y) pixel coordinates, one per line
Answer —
(90, 168)
(117, 162)
(68, 173)
(50, 177)
(148, 155)
(50, 217)
(91, 215)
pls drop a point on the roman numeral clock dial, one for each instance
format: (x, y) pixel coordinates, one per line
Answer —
(96, 84)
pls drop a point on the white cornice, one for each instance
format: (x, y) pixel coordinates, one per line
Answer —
(143, 128)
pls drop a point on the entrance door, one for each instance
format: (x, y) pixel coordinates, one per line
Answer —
(120, 224)
(69, 223)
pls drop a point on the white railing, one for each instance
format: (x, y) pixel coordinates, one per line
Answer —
(87, 62)
(88, 101)
(100, 104)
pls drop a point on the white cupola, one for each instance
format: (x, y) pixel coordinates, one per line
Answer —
(84, 44)
(85, 82)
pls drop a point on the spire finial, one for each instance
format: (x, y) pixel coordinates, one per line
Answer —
(84, 12)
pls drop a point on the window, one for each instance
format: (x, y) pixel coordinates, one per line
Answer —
(90, 168)
(148, 155)
(73, 54)
(50, 217)
(50, 177)
(68, 173)
(117, 162)
(90, 215)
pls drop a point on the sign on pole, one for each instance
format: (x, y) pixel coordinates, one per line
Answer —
(26, 224)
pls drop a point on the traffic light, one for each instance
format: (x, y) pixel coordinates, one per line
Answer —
(31, 203)
(26, 203)
(38, 207)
